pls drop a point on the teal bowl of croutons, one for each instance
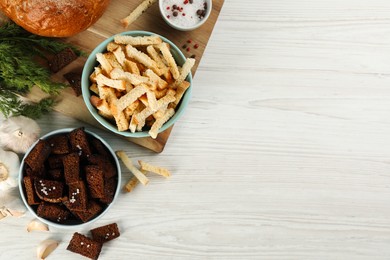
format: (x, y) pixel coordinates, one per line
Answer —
(69, 178)
(137, 84)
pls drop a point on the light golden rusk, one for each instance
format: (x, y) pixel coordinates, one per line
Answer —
(138, 84)
(155, 169)
(128, 163)
(137, 12)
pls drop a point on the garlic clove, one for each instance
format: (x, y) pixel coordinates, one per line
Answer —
(37, 225)
(13, 205)
(16, 213)
(45, 248)
(6, 212)
(9, 169)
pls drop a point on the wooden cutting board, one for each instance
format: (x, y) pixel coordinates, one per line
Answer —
(108, 25)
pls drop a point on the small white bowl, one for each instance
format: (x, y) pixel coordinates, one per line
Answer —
(166, 11)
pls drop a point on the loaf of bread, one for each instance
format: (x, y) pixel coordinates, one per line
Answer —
(54, 18)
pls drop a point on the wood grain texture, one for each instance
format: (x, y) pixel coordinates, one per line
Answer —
(108, 25)
(283, 153)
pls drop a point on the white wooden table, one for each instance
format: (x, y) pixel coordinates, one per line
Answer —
(283, 153)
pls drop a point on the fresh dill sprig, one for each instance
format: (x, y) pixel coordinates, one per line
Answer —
(13, 33)
(10, 104)
(20, 71)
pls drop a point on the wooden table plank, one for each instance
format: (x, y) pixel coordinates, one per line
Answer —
(108, 25)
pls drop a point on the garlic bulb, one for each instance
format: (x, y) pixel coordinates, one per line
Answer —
(18, 133)
(10, 202)
(46, 247)
(9, 168)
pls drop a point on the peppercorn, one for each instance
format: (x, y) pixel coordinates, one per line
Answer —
(175, 13)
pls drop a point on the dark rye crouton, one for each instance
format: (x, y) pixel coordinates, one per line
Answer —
(78, 196)
(105, 233)
(79, 143)
(32, 198)
(38, 155)
(85, 246)
(61, 59)
(55, 174)
(53, 212)
(59, 144)
(74, 80)
(55, 161)
(109, 190)
(93, 209)
(109, 169)
(47, 190)
(95, 181)
(71, 164)
(40, 173)
(100, 148)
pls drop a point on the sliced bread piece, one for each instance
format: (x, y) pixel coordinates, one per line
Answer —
(59, 144)
(71, 164)
(78, 196)
(53, 212)
(48, 190)
(79, 142)
(93, 209)
(84, 246)
(32, 198)
(95, 180)
(105, 233)
(38, 155)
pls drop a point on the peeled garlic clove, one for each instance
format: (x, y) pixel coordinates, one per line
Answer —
(37, 225)
(45, 248)
(16, 213)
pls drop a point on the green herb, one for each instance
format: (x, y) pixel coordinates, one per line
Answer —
(10, 104)
(20, 69)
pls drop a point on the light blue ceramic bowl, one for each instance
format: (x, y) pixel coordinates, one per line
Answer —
(92, 63)
(75, 224)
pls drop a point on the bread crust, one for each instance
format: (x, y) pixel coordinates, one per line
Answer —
(54, 18)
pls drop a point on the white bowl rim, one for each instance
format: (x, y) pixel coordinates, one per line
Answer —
(57, 225)
(189, 28)
(110, 126)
